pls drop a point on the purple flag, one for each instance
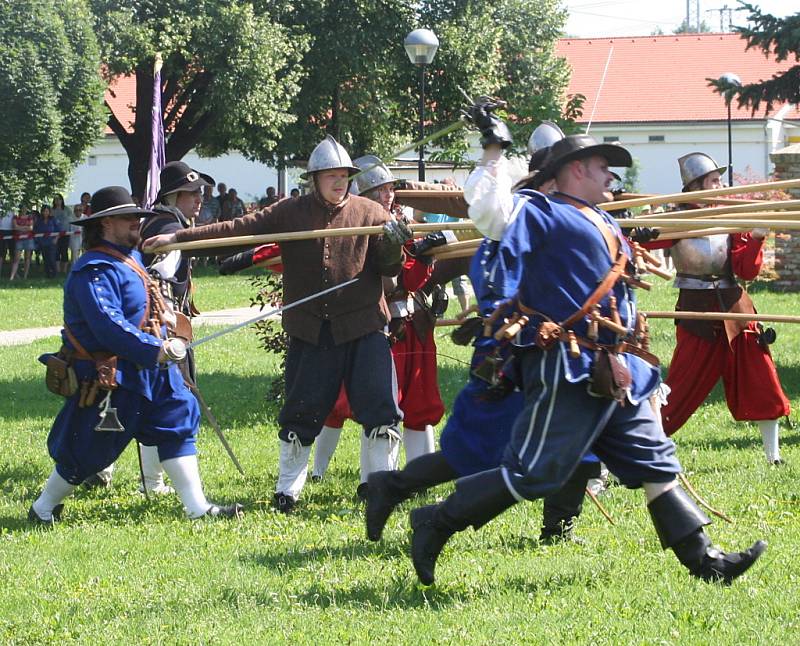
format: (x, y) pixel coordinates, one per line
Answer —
(157, 144)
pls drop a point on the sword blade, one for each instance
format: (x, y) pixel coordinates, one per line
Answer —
(272, 312)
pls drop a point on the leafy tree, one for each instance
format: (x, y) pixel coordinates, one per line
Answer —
(778, 37)
(228, 77)
(687, 28)
(631, 180)
(52, 96)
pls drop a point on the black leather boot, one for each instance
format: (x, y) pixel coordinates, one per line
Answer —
(565, 505)
(387, 489)
(476, 500)
(679, 524)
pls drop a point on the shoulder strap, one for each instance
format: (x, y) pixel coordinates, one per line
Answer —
(605, 286)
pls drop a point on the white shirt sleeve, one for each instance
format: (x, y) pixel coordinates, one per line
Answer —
(488, 193)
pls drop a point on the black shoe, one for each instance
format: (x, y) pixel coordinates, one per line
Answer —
(225, 511)
(563, 532)
(98, 481)
(284, 503)
(427, 541)
(362, 491)
(380, 503)
(316, 479)
(719, 567)
(36, 519)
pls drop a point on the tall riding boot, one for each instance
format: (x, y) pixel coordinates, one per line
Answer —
(292, 472)
(418, 442)
(324, 448)
(476, 500)
(565, 505)
(387, 489)
(679, 524)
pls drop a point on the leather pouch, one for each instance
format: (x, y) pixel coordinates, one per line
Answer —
(610, 377)
(60, 377)
(547, 335)
(183, 326)
(107, 373)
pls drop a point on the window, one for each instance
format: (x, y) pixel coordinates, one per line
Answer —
(613, 139)
(656, 138)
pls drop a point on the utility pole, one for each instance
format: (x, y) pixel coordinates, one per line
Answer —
(725, 9)
(692, 16)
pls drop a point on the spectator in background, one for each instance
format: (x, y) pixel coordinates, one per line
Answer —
(209, 209)
(269, 199)
(6, 235)
(222, 197)
(46, 226)
(62, 217)
(23, 226)
(81, 210)
(232, 208)
(295, 192)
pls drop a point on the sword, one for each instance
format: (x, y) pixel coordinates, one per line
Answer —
(214, 424)
(272, 312)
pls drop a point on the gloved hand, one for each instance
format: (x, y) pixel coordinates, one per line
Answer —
(644, 234)
(396, 232)
(493, 130)
(173, 349)
(759, 233)
(430, 241)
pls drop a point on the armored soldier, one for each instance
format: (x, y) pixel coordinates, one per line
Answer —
(707, 270)
(117, 367)
(586, 379)
(411, 335)
(337, 338)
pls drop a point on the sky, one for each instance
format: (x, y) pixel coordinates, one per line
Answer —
(592, 18)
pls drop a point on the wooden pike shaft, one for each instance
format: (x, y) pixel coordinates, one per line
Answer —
(699, 233)
(723, 316)
(602, 509)
(472, 245)
(680, 224)
(676, 198)
(240, 241)
(719, 201)
(777, 206)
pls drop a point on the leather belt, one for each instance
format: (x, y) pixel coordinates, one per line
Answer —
(707, 278)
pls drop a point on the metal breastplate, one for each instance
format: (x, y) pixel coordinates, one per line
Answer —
(703, 263)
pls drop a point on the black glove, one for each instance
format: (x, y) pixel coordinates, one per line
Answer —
(493, 130)
(236, 262)
(644, 234)
(430, 241)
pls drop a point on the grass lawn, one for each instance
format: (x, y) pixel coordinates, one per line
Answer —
(36, 302)
(119, 569)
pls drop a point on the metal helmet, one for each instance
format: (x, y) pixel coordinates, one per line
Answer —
(374, 174)
(544, 135)
(328, 154)
(696, 165)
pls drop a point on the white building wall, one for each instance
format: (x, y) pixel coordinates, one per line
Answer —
(658, 166)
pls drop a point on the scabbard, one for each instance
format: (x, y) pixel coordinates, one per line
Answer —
(215, 425)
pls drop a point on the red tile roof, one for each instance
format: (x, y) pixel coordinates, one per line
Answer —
(663, 78)
(650, 78)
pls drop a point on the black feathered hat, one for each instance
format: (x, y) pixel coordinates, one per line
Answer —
(177, 176)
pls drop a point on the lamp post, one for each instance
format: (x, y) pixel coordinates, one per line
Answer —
(732, 81)
(421, 46)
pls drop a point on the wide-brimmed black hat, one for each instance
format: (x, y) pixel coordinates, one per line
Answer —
(178, 176)
(112, 201)
(580, 147)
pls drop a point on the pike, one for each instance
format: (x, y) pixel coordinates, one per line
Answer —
(723, 316)
(272, 312)
(240, 241)
(677, 223)
(778, 206)
(695, 196)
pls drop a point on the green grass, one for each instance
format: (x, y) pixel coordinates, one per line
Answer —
(36, 302)
(120, 569)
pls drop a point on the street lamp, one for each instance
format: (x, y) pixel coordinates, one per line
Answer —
(421, 46)
(730, 82)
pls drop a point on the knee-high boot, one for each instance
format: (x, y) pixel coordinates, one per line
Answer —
(565, 505)
(679, 524)
(476, 500)
(387, 489)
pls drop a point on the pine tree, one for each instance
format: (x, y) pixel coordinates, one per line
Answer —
(777, 37)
